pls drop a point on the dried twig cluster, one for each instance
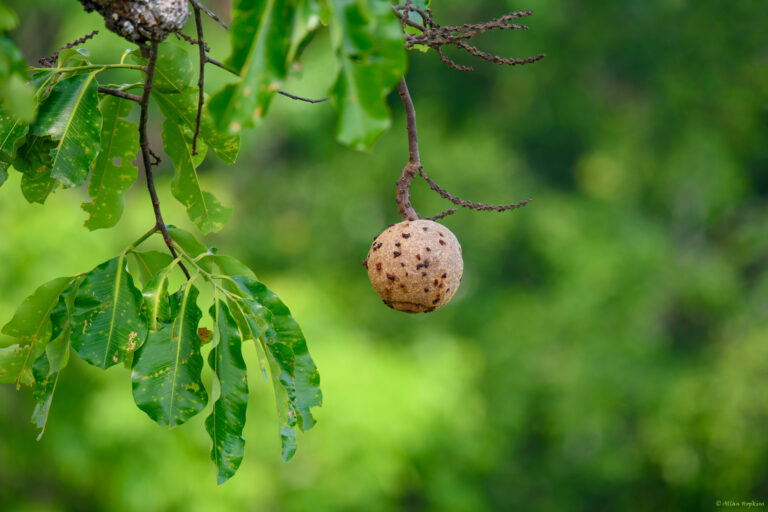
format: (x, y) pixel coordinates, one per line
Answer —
(435, 36)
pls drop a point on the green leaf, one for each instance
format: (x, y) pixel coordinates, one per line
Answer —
(33, 160)
(146, 264)
(174, 71)
(156, 299)
(70, 116)
(368, 39)
(181, 108)
(32, 322)
(306, 19)
(167, 384)
(8, 18)
(13, 132)
(33, 326)
(48, 365)
(11, 59)
(202, 207)
(113, 172)
(260, 37)
(297, 381)
(227, 419)
(189, 244)
(15, 363)
(108, 319)
(231, 266)
(23, 104)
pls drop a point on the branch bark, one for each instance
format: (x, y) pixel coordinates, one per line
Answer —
(146, 152)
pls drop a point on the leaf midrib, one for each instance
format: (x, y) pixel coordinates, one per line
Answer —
(182, 314)
(84, 87)
(116, 292)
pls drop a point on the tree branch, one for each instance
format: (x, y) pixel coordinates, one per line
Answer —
(146, 152)
(120, 94)
(201, 77)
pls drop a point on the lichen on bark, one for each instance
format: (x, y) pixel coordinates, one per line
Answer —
(141, 20)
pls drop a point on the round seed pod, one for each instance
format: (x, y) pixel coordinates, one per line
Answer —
(415, 266)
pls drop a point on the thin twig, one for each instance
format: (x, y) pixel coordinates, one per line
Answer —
(197, 5)
(443, 214)
(221, 65)
(300, 98)
(403, 196)
(51, 60)
(470, 204)
(201, 78)
(146, 152)
(120, 94)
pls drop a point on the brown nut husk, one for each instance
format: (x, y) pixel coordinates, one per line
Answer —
(415, 266)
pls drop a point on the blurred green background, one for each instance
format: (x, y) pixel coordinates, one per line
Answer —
(607, 350)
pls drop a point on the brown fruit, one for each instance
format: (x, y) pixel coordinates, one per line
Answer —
(415, 266)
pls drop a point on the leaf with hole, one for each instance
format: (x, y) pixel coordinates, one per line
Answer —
(113, 172)
(202, 207)
(71, 117)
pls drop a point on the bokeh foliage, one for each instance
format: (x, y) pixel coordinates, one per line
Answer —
(608, 347)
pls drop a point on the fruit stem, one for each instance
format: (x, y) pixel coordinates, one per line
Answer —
(403, 196)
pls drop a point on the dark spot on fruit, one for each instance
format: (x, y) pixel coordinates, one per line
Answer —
(429, 249)
(378, 266)
(441, 285)
(437, 299)
(396, 253)
(435, 282)
(406, 274)
(445, 274)
(390, 277)
(402, 286)
(440, 233)
(402, 264)
(420, 265)
(426, 290)
(406, 235)
(442, 242)
(397, 244)
(378, 246)
(365, 263)
(447, 290)
(423, 274)
(418, 256)
(425, 229)
(426, 263)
